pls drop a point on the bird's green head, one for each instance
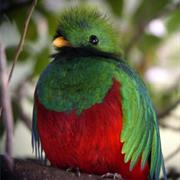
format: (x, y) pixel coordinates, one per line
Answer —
(83, 27)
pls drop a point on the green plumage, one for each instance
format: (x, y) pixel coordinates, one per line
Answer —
(82, 79)
(77, 24)
(73, 84)
(140, 123)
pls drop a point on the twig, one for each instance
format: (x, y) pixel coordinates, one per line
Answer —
(6, 106)
(173, 154)
(21, 42)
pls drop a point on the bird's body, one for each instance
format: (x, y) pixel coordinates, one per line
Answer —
(92, 111)
(92, 149)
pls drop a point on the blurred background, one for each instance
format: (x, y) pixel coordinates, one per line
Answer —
(149, 32)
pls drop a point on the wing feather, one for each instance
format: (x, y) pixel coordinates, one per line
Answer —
(140, 133)
(134, 142)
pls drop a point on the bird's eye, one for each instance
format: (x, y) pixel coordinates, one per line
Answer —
(93, 39)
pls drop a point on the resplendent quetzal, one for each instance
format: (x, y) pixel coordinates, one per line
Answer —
(91, 110)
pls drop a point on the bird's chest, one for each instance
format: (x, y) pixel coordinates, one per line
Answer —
(77, 84)
(90, 141)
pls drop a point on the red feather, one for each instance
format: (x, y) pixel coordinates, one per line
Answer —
(90, 141)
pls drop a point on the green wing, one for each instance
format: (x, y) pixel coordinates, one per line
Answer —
(140, 133)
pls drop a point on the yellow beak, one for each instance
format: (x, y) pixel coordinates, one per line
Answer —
(60, 42)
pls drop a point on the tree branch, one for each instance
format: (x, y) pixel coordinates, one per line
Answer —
(22, 39)
(6, 106)
(32, 170)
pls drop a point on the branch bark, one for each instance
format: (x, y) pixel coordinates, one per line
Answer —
(6, 106)
(32, 170)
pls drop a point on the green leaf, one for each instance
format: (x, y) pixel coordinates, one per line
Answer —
(148, 41)
(52, 24)
(41, 62)
(10, 52)
(32, 33)
(148, 10)
(116, 6)
(173, 22)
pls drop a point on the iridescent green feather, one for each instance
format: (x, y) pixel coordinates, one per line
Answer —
(140, 132)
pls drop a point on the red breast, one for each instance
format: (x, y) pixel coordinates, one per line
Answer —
(90, 141)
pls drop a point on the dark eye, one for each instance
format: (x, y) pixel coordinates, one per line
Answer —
(93, 39)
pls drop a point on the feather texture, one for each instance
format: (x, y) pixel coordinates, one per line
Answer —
(140, 134)
(80, 78)
(140, 131)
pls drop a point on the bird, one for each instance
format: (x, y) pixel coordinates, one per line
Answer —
(92, 111)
